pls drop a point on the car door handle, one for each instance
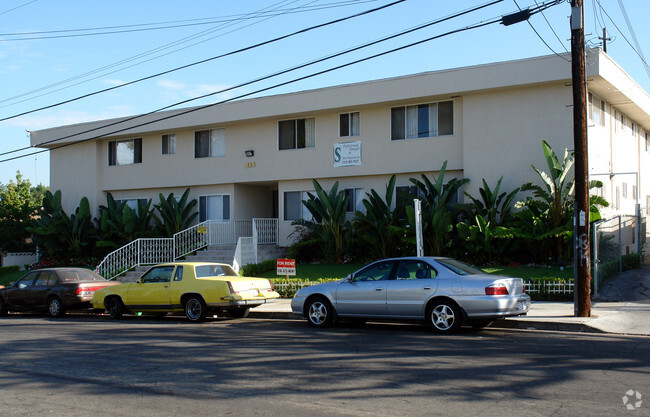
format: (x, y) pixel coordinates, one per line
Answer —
(427, 288)
(379, 289)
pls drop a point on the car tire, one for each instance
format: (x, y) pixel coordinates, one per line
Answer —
(55, 307)
(320, 312)
(445, 316)
(115, 307)
(195, 309)
(3, 307)
(240, 312)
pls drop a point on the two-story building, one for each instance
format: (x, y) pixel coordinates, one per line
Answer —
(256, 158)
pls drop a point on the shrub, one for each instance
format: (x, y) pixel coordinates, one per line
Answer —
(255, 270)
(7, 269)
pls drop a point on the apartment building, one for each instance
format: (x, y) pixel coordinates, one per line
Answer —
(256, 158)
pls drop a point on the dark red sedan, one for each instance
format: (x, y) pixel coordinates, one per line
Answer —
(52, 290)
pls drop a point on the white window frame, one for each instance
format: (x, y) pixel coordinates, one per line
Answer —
(305, 214)
(225, 208)
(168, 144)
(216, 144)
(115, 146)
(411, 121)
(596, 109)
(310, 133)
(353, 127)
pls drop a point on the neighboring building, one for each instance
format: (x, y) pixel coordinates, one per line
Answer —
(257, 157)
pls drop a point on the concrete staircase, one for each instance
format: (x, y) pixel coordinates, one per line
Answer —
(215, 253)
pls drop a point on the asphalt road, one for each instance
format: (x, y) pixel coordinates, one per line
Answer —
(92, 366)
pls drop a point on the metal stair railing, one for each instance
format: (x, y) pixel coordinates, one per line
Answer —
(150, 251)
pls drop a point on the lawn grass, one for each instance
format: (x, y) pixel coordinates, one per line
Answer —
(9, 277)
(313, 272)
(526, 272)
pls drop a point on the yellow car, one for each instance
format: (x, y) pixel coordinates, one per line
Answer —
(193, 287)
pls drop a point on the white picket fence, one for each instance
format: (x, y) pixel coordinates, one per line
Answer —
(149, 251)
(531, 287)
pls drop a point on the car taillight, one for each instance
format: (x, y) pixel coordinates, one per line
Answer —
(88, 290)
(496, 289)
(272, 287)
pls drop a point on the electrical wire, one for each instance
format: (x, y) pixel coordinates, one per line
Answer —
(623, 35)
(18, 7)
(141, 55)
(540, 36)
(199, 108)
(282, 72)
(203, 61)
(142, 27)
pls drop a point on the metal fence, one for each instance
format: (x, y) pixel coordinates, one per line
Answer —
(148, 251)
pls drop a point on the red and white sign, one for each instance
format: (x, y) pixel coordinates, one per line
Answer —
(286, 267)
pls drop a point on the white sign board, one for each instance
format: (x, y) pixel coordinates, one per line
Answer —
(347, 154)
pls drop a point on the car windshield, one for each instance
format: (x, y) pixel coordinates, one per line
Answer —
(203, 271)
(459, 267)
(71, 275)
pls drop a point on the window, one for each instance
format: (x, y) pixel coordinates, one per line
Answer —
(168, 144)
(349, 124)
(647, 142)
(26, 281)
(209, 143)
(633, 129)
(634, 192)
(296, 134)
(376, 272)
(293, 207)
(355, 200)
(178, 275)
(415, 270)
(158, 274)
(596, 110)
(214, 207)
(125, 152)
(45, 279)
(624, 190)
(404, 195)
(422, 121)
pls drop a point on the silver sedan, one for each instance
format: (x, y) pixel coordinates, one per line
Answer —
(442, 291)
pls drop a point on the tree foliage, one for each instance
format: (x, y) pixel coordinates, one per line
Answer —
(18, 204)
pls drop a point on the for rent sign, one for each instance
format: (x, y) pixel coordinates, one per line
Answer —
(286, 267)
(347, 154)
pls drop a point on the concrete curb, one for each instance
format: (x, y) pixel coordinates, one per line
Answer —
(511, 323)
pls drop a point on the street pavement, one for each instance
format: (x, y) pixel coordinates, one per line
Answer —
(622, 306)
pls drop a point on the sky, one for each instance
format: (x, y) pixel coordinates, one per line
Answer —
(53, 51)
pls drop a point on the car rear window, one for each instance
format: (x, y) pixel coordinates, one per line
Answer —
(203, 271)
(459, 267)
(70, 275)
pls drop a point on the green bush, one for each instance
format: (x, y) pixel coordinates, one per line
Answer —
(255, 270)
(7, 269)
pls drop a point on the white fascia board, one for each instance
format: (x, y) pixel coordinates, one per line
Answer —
(435, 85)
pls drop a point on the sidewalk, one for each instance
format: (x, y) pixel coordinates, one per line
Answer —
(606, 317)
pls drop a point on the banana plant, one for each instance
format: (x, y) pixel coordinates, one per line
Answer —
(174, 215)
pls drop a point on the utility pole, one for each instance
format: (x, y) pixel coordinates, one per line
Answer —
(581, 238)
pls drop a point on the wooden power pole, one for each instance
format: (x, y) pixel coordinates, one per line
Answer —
(581, 238)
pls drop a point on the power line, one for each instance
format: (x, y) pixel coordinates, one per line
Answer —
(285, 71)
(199, 108)
(142, 55)
(18, 7)
(623, 35)
(142, 27)
(540, 36)
(636, 42)
(247, 48)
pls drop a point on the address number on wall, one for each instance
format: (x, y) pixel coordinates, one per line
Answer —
(250, 164)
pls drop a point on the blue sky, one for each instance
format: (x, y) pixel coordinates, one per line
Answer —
(40, 72)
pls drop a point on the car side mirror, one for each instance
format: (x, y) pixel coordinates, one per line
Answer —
(12, 284)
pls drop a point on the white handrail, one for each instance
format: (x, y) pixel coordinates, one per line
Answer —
(149, 251)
